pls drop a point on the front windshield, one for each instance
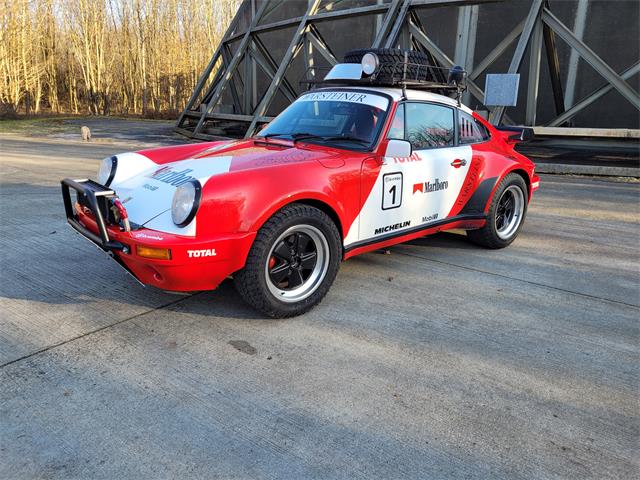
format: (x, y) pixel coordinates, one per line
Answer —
(348, 119)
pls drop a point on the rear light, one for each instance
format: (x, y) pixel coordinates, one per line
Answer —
(153, 252)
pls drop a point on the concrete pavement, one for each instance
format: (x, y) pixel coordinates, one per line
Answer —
(441, 360)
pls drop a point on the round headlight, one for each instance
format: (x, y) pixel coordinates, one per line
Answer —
(107, 170)
(186, 200)
(369, 63)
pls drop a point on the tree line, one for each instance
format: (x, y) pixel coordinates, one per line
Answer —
(132, 57)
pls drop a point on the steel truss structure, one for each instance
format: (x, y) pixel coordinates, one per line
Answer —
(232, 70)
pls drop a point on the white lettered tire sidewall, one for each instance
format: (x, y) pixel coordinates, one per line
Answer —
(253, 282)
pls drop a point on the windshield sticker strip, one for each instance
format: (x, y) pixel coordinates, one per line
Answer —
(353, 97)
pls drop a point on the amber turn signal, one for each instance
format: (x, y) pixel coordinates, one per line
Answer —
(152, 252)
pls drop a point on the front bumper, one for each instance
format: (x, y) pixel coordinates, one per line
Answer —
(535, 183)
(195, 264)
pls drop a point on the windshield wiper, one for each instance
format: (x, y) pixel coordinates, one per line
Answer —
(269, 135)
(294, 136)
(347, 138)
(305, 136)
(328, 138)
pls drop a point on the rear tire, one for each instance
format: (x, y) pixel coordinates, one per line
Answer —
(506, 214)
(292, 263)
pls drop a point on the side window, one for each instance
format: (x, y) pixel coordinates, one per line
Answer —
(397, 124)
(471, 130)
(429, 125)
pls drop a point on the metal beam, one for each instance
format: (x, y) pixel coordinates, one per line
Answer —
(236, 116)
(270, 67)
(437, 74)
(497, 51)
(397, 25)
(320, 17)
(231, 67)
(591, 58)
(535, 53)
(232, 81)
(442, 58)
(294, 46)
(516, 61)
(466, 39)
(591, 98)
(466, 36)
(448, 3)
(321, 47)
(553, 61)
(248, 80)
(534, 15)
(209, 68)
(572, 70)
(386, 23)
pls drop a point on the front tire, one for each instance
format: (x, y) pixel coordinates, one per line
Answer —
(292, 263)
(506, 214)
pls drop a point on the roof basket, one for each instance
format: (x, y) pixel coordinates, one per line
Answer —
(400, 73)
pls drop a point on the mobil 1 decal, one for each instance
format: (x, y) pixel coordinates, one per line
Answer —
(391, 190)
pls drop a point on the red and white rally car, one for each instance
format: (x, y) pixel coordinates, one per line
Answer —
(343, 170)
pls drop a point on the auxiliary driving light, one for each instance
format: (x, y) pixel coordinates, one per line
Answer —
(369, 63)
(153, 252)
(107, 170)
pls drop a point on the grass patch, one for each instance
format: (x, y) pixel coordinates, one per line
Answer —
(38, 125)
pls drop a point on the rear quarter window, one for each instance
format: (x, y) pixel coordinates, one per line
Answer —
(471, 130)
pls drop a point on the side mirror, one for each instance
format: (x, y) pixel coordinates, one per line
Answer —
(398, 148)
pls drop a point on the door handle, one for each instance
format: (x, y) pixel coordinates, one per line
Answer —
(458, 162)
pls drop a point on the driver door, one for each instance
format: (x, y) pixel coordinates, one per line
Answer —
(412, 193)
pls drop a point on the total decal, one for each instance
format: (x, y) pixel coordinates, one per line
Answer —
(148, 188)
(411, 192)
(415, 157)
(205, 252)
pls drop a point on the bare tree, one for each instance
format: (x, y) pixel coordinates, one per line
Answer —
(101, 56)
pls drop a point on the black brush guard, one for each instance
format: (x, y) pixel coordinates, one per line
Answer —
(97, 198)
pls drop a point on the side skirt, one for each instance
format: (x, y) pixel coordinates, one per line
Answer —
(475, 220)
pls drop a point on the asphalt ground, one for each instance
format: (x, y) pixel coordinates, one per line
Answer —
(440, 360)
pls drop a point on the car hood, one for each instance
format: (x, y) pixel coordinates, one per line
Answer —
(259, 154)
(146, 187)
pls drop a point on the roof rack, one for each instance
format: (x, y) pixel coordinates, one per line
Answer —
(416, 76)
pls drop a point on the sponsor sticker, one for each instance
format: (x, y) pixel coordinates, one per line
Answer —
(206, 252)
(147, 236)
(172, 177)
(391, 190)
(341, 96)
(413, 158)
(428, 187)
(391, 228)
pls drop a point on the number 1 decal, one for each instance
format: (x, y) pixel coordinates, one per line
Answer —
(391, 190)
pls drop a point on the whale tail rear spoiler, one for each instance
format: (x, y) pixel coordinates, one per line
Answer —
(515, 135)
